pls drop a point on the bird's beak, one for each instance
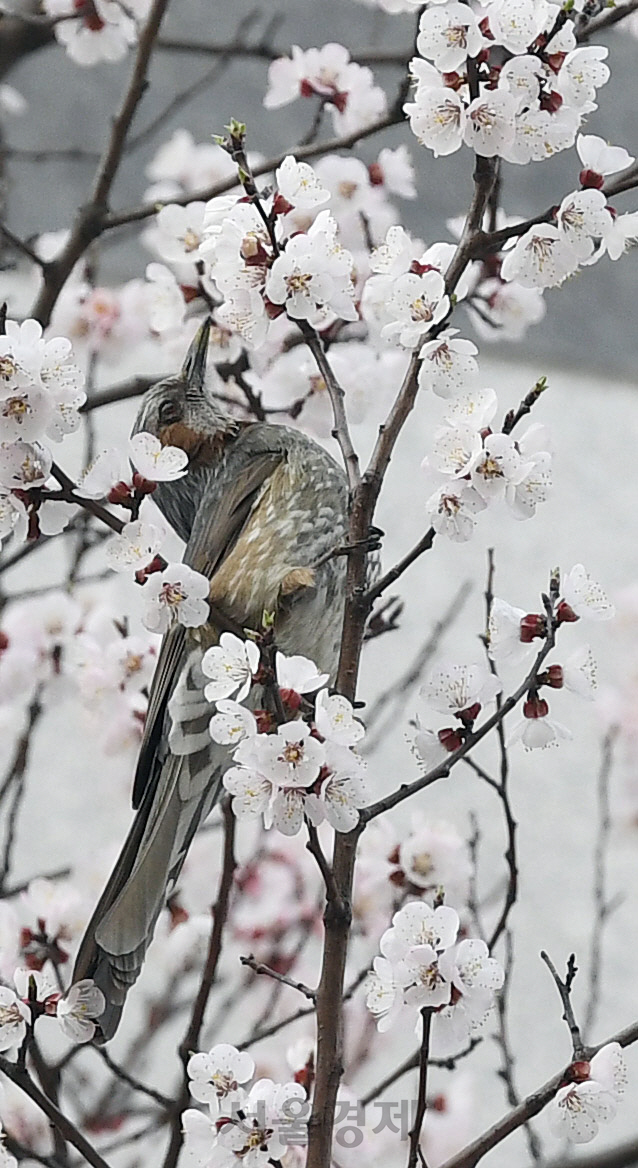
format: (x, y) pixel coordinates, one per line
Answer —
(194, 367)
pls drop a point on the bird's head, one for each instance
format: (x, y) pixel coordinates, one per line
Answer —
(181, 412)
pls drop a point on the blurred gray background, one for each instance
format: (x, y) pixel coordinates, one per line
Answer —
(592, 324)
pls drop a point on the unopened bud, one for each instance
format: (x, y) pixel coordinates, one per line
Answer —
(565, 613)
(281, 206)
(554, 676)
(579, 1071)
(120, 493)
(590, 179)
(533, 625)
(143, 486)
(468, 716)
(290, 698)
(4, 641)
(450, 739)
(535, 708)
(376, 174)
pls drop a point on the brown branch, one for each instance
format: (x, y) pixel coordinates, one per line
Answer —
(386, 581)
(259, 967)
(528, 1108)
(415, 1152)
(191, 1038)
(117, 393)
(70, 1133)
(606, 20)
(68, 494)
(623, 1156)
(91, 218)
(15, 777)
(265, 52)
(337, 399)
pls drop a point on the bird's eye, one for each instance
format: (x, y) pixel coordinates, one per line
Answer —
(170, 410)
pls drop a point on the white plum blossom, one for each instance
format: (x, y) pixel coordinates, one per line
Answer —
(579, 673)
(524, 495)
(178, 595)
(507, 310)
(231, 723)
(102, 31)
(476, 408)
(418, 924)
(621, 233)
(582, 217)
(437, 119)
(455, 450)
(599, 157)
(24, 465)
(335, 720)
(244, 313)
(290, 756)
(579, 1108)
(384, 993)
(313, 275)
(499, 467)
(515, 24)
(161, 464)
(231, 666)
(448, 364)
(15, 1016)
(542, 258)
(414, 304)
(298, 674)
(13, 516)
(216, 1077)
(504, 631)
(433, 857)
(166, 304)
(298, 184)
(455, 687)
(583, 72)
(537, 730)
(136, 545)
(108, 468)
(77, 1008)
(470, 967)
(489, 123)
(396, 171)
(585, 596)
(451, 511)
(178, 232)
(448, 34)
(342, 793)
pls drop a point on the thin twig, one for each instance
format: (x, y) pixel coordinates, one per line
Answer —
(71, 1134)
(259, 967)
(22, 247)
(602, 907)
(415, 1152)
(507, 1068)
(565, 990)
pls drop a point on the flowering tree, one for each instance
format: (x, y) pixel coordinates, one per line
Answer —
(317, 307)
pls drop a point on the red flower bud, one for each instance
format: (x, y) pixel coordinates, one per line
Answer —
(535, 708)
(339, 101)
(551, 102)
(533, 625)
(157, 564)
(120, 493)
(578, 1072)
(439, 1103)
(555, 61)
(281, 206)
(143, 486)
(565, 613)
(376, 174)
(189, 292)
(420, 269)
(554, 676)
(264, 721)
(450, 739)
(4, 641)
(290, 698)
(272, 310)
(591, 179)
(468, 716)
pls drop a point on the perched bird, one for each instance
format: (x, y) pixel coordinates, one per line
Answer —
(261, 508)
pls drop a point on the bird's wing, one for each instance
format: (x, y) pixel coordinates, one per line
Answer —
(221, 516)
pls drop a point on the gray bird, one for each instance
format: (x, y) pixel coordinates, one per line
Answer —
(260, 509)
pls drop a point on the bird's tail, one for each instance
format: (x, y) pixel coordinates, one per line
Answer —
(121, 929)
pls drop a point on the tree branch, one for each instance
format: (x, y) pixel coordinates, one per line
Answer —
(23, 1080)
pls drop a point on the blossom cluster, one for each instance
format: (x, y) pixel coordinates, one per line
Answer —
(41, 390)
(422, 965)
(243, 1126)
(294, 769)
(590, 1095)
(37, 996)
(523, 110)
(462, 688)
(329, 75)
(96, 30)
